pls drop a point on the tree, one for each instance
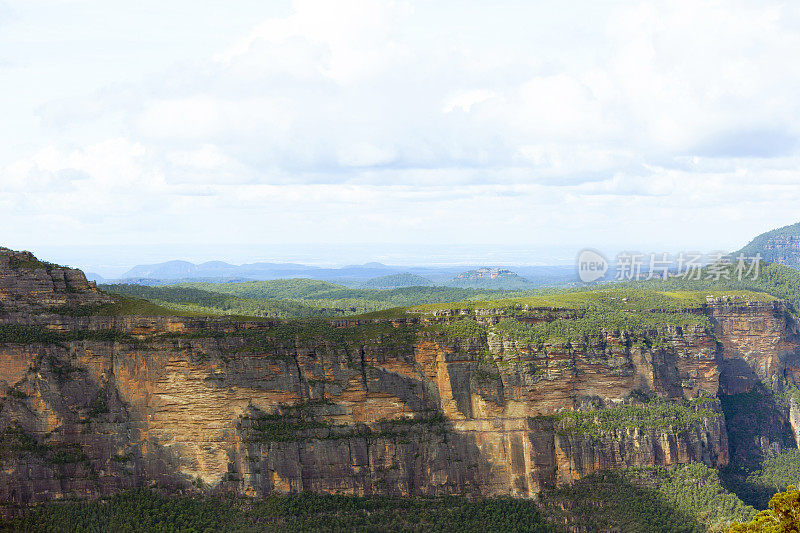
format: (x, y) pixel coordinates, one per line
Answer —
(783, 515)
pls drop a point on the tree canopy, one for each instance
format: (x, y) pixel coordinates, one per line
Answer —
(783, 515)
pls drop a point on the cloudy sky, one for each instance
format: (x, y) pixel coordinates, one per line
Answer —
(655, 125)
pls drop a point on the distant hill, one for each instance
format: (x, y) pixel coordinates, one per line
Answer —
(396, 281)
(168, 270)
(354, 276)
(293, 297)
(491, 278)
(91, 276)
(780, 245)
(219, 270)
(547, 275)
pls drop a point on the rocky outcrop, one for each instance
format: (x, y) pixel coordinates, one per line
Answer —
(759, 344)
(30, 285)
(95, 404)
(485, 273)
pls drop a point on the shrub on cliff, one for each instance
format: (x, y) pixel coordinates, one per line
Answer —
(655, 414)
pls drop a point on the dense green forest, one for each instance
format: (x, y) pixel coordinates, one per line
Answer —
(655, 413)
(292, 298)
(608, 297)
(782, 516)
(778, 280)
(687, 498)
(643, 312)
(299, 298)
(147, 511)
(309, 290)
(395, 281)
(633, 309)
(761, 245)
(757, 483)
(197, 301)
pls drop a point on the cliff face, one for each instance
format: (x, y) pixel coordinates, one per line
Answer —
(759, 343)
(27, 284)
(397, 412)
(94, 404)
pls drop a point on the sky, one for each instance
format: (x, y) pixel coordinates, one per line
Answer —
(243, 130)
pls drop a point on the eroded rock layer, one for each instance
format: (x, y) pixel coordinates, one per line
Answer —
(96, 404)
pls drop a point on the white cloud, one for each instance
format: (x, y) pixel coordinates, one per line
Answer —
(344, 41)
(465, 100)
(362, 119)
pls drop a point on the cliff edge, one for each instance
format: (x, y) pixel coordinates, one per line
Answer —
(481, 401)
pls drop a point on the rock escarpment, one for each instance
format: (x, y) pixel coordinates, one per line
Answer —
(94, 404)
(30, 285)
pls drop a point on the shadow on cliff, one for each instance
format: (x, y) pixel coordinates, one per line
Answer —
(606, 501)
(758, 428)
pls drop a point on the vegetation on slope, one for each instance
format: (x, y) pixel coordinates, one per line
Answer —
(614, 309)
(147, 511)
(686, 498)
(595, 322)
(293, 298)
(16, 334)
(782, 516)
(776, 280)
(757, 471)
(764, 244)
(653, 297)
(322, 293)
(191, 301)
(15, 263)
(300, 423)
(396, 281)
(125, 305)
(655, 414)
(301, 298)
(757, 485)
(14, 441)
(302, 289)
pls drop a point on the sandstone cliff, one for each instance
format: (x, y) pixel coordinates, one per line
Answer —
(93, 404)
(27, 284)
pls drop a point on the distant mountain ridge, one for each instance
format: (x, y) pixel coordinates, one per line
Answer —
(212, 269)
(368, 275)
(182, 270)
(97, 278)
